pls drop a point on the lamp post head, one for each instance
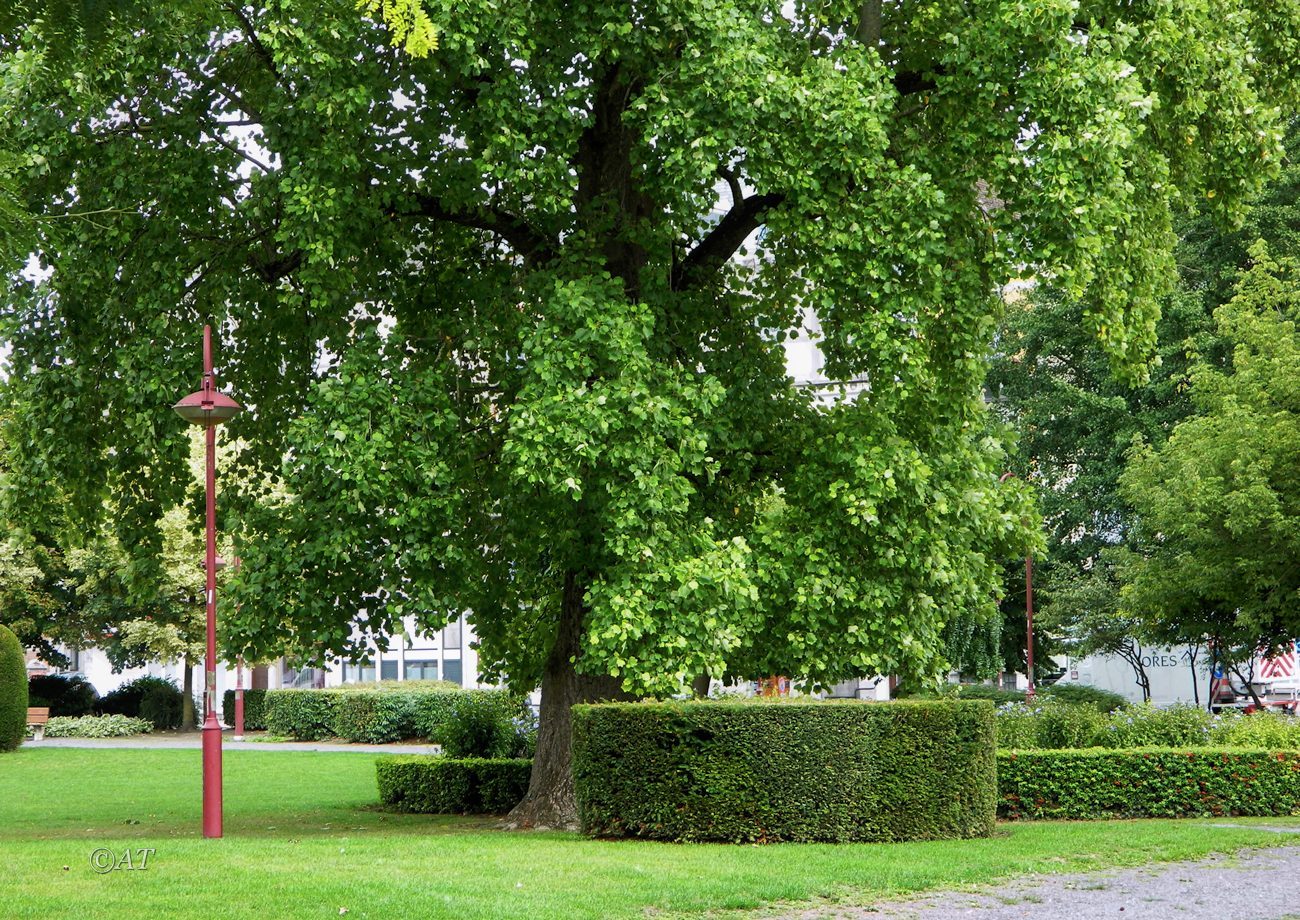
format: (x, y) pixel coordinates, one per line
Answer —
(207, 407)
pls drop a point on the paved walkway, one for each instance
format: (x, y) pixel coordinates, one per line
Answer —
(1253, 885)
(194, 741)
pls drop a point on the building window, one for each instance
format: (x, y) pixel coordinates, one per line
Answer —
(388, 670)
(421, 669)
(451, 668)
(451, 635)
(363, 672)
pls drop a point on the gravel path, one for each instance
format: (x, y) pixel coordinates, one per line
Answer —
(1253, 885)
(194, 742)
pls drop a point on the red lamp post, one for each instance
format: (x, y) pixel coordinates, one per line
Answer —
(209, 409)
(1029, 612)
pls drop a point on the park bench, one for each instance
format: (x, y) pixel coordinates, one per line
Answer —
(36, 719)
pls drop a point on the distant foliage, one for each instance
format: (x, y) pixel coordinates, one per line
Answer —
(97, 727)
(64, 695)
(158, 696)
(1104, 700)
(1147, 783)
(13, 691)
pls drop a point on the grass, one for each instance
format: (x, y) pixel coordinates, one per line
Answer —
(304, 839)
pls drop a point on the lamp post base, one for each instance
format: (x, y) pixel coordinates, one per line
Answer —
(211, 776)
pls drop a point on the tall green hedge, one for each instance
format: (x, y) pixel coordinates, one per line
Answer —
(375, 716)
(13, 691)
(445, 785)
(254, 709)
(796, 771)
(1148, 783)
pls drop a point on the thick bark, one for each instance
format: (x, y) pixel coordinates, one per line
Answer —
(700, 686)
(550, 802)
(187, 697)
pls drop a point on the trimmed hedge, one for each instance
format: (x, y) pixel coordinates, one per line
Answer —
(1148, 783)
(444, 785)
(306, 715)
(254, 709)
(374, 716)
(796, 771)
(13, 691)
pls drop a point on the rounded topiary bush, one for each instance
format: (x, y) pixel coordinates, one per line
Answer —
(786, 771)
(13, 691)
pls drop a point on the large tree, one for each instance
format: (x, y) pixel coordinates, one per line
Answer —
(487, 314)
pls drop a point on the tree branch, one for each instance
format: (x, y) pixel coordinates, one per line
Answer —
(522, 236)
(721, 243)
(869, 23)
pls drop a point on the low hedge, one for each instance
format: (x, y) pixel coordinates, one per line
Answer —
(254, 709)
(111, 726)
(796, 771)
(1148, 783)
(445, 785)
(381, 716)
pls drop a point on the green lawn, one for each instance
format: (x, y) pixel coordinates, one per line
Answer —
(303, 839)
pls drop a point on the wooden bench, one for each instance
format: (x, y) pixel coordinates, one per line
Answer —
(36, 719)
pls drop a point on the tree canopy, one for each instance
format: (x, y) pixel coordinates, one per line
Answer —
(508, 318)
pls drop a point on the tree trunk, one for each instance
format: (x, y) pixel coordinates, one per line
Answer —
(700, 686)
(1247, 680)
(1192, 652)
(187, 696)
(549, 801)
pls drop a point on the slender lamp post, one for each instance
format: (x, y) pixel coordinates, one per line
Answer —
(208, 408)
(1029, 610)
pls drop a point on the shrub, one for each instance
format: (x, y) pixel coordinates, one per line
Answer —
(483, 726)
(162, 705)
(1179, 725)
(302, 714)
(1102, 700)
(1047, 723)
(65, 695)
(797, 771)
(254, 709)
(127, 699)
(13, 691)
(1148, 783)
(444, 785)
(1272, 730)
(114, 726)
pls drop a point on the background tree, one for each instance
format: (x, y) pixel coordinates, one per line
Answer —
(484, 310)
(1218, 502)
(1076, 422)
